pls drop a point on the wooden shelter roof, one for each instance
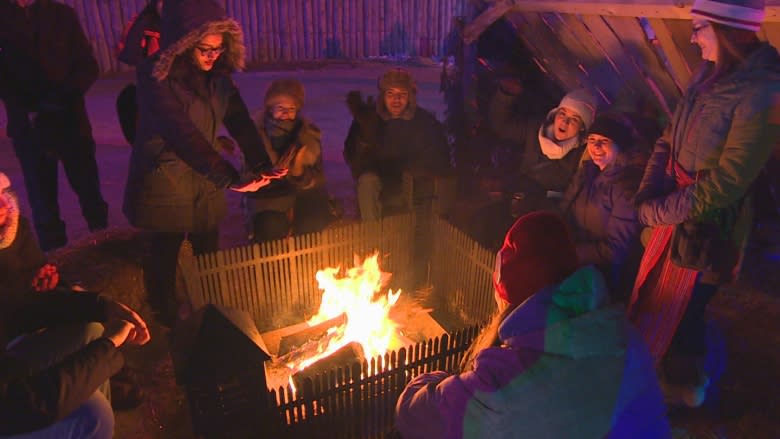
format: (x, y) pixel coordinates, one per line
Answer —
(618, 48)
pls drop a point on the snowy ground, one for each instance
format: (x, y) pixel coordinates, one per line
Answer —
(326, 88)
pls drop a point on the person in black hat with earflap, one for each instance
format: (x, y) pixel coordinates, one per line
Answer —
(389, 137)
(598, 204)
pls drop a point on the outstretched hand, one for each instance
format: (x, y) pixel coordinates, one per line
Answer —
(119, 312)
(263, 180)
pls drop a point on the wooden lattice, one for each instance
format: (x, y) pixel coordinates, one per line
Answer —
(358, 400)
(275, 281)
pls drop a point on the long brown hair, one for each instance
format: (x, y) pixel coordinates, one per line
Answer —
(487, 338)
(734, 46)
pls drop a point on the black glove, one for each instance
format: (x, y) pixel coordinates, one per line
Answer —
(223, 174)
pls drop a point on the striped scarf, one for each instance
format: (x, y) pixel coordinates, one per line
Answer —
(661, 290)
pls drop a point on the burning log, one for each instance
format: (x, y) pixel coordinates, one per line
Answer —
(350, 353)
(313, 334)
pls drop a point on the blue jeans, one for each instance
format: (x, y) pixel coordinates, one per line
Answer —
(92, 420)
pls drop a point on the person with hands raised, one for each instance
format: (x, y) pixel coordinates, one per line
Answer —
(54, 373)
(176, 179)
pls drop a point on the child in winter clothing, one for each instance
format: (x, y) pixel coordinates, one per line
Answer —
(297, 203)
(548, 160)
(599, 203)
(554, 362)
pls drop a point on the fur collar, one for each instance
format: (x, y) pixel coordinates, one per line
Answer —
(234, 41)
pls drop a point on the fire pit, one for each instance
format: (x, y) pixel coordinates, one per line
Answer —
(445, 286)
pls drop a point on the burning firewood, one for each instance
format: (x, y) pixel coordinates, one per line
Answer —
(346, 356)
(312, 334)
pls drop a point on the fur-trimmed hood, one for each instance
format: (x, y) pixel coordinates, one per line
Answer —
(185, 22)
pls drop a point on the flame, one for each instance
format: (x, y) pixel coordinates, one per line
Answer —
(356, 293)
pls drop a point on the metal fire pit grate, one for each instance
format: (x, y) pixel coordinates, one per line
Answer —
(274, 283)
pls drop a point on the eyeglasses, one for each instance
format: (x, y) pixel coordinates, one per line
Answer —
(697, 29)
(211, 52)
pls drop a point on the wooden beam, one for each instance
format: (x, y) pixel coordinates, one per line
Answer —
(474, 29)
(679, 67)
(625, 8)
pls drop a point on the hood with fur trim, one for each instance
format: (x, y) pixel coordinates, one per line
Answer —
(185, 22)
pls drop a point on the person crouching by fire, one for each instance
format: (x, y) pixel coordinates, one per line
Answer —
(297, 203)
(554, 361)
(389, 137)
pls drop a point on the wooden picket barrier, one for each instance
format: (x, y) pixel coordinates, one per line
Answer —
(299, 30)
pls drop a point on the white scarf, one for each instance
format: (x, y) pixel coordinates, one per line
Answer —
(552, 149)
(9, 229)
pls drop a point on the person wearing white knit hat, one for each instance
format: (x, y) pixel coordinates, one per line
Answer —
(696, 194)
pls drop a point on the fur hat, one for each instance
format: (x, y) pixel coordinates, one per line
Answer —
(741, 14)
(582, 102)
(538, 251)
(614, 127)
(397, 78)
(291, 88)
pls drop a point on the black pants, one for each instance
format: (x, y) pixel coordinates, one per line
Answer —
(310, 214)
(160, 265)
(40, 142)
(684, 359)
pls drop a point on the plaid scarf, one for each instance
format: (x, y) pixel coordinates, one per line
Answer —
(662, 290)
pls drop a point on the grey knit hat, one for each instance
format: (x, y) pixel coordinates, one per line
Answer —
(741, 14)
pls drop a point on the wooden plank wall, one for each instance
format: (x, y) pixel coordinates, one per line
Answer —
(298, 30)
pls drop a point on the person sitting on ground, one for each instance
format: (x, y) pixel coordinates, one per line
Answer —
(599, 203)
(53, 374)
(549, 159)
(24, 267)
(389, 137)
(298, 202)
(22, 263)
(554, 361)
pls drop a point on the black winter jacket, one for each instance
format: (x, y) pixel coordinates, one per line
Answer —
(31, 400)
(598, 206)
(45, 57)
(20, 261)
(418, 146)
(177, 176)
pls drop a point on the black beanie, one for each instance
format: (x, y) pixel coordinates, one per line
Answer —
(614, 128)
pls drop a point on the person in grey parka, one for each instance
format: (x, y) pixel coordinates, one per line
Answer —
(177, 176)
(598, 204)
(696, 188)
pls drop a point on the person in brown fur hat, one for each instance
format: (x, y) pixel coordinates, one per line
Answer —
(297, 203)
(388, 137)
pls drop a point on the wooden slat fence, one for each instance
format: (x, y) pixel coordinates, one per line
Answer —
(461, 274)
(275, 281)
(298, 30)
(358, 400)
